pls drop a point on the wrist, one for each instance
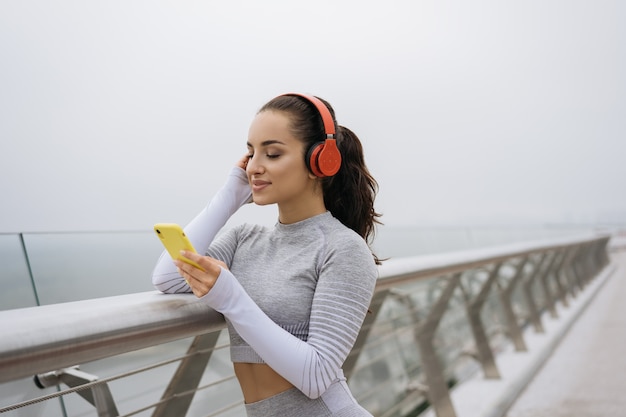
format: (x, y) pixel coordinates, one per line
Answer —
(237, 183)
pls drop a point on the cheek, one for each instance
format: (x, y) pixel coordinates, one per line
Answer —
(300, 163)
(293, 165)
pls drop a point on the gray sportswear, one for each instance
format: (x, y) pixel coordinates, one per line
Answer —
(294, 296)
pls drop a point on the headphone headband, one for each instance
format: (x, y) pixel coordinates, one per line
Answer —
(327, 118)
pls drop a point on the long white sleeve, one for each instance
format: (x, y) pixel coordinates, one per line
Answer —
(203, 228)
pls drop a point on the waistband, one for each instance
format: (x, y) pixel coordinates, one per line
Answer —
(293, 403)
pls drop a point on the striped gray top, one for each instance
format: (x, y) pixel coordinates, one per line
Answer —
(299, 298)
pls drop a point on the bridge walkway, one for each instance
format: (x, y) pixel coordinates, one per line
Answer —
(586, 374)
(577, 368)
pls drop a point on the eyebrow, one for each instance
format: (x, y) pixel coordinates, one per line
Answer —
(267, 143)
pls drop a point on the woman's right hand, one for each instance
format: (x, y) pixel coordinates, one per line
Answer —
(243, 162)
(200, 280)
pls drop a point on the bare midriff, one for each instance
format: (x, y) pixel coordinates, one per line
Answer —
(258, 381)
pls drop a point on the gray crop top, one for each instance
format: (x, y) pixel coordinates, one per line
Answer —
(294, 295)
(291, 271)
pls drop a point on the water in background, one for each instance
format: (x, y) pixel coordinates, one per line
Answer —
(76, 266)
(399, 241)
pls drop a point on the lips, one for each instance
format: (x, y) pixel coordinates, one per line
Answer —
(258, 185)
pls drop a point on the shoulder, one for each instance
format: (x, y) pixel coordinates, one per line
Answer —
(346, 262)
(246, 229)
(341, 234)
(349, 246)
(241, 231)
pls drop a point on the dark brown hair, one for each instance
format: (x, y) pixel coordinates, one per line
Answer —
(349, 194)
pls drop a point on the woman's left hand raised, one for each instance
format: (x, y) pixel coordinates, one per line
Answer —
(198, 280)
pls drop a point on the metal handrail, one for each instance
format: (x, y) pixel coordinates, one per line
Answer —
(46, 338)
(52, 337)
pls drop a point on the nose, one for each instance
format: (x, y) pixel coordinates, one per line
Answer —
(254, 165)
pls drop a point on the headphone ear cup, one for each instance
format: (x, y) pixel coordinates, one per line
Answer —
(312, 157)
(329, 158)
(324, 158)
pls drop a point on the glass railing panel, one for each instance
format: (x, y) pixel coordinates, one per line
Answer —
(78, 266)
(17, 290)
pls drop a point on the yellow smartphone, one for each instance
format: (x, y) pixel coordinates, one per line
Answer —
(174, 239)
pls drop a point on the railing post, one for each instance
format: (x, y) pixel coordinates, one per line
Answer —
(527, 285)
(473, 307)
(599, 257)
(571, 280)
(99, 395)
(178, 395)
(580, 266)
(505, 292)
(545, 283)
(438, 392)
(558, 275)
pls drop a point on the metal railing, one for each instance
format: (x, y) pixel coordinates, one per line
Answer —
(434, 321)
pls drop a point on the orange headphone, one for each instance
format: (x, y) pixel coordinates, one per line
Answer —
(323, 158)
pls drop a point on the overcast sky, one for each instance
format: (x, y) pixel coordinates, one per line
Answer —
(115, 115)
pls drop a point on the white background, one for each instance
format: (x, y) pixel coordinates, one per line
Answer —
(115, 115)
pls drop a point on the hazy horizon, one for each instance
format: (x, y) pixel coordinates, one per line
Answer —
(118, 115)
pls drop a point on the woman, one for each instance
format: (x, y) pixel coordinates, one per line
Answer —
(294, 296)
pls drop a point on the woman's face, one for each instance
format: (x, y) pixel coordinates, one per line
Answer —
(276, 168)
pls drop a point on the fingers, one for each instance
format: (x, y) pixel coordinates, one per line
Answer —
(200, 281)
(192, 256)
(243, 162)
(199, 285)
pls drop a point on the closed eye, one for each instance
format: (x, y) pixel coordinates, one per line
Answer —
(270, 156)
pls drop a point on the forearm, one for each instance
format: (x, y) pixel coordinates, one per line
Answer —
(203, 228)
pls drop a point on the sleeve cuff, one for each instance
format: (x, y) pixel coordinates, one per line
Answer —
(222, 290)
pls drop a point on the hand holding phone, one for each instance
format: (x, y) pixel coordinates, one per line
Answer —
(174, 240)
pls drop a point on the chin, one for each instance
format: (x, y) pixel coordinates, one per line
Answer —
(261, 201)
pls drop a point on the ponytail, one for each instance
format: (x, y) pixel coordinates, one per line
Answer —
(349, 194)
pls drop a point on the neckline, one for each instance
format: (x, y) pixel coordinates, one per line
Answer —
(303, 223)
